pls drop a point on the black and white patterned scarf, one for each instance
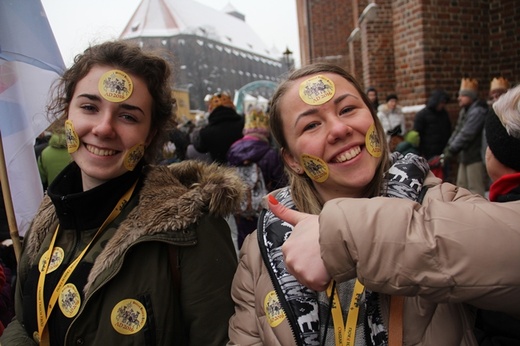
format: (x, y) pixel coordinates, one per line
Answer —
(404, 179)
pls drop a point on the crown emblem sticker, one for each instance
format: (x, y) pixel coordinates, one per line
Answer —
(128, 316)
(372, 142)
(315, 167)
(72, 137)
(317, 90)
(133, 156)
(70, 300)
(273, 309)
(115, 86)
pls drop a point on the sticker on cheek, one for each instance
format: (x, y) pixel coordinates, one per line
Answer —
(317, 90)
(71, 137)
(373, 142)
(315, 167)
(115, 86)
(133, 156)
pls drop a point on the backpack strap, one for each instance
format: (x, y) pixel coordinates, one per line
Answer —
(395, 323)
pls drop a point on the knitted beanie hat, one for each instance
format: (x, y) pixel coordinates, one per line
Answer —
(503, 129)
(256, 121)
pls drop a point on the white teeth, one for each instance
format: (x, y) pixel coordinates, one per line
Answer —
(348, 155)
(100, 152)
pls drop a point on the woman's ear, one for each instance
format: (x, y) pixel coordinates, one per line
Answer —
(290, 161)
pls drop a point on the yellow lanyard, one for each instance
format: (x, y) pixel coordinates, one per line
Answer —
(345, 334)
(42, 316)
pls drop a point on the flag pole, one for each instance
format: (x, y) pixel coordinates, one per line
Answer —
(8, 203)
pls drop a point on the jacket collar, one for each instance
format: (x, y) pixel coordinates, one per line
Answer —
(171, 198)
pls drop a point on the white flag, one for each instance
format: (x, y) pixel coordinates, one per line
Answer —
(30, 62)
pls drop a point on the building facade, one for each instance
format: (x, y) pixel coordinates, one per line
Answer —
(411, 47)
(211, 51)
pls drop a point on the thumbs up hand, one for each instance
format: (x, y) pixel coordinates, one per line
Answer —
(302, 249)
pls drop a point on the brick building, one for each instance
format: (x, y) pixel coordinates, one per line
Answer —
(411, 47)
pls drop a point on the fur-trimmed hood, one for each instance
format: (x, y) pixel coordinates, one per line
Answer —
(172, 198)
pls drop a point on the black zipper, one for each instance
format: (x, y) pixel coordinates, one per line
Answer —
(281, 297)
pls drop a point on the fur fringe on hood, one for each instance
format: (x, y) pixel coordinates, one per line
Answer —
(172, 198)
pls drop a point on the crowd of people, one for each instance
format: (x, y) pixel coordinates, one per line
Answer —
(319, 220)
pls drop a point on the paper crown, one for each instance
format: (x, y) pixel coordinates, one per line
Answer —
(256, 120)
(220, 99)
(469, 84)
(499, 83)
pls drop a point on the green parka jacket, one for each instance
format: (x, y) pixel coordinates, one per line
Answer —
(179, 206)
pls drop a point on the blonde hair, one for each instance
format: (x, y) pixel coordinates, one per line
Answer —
(303, 192)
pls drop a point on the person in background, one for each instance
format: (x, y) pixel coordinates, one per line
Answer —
(191, 152)
(410, 144)
(373, 97)
(175, 148)
(377, 270)
(255, 148)
(124, 252)
(503, 167)
(392, 119)
(224, 127)
(434, 127)
(466, 139)
(41, 143)
(497, 88)
(54, 157)
(433, 124)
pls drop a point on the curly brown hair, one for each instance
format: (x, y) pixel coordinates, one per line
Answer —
(150, 66)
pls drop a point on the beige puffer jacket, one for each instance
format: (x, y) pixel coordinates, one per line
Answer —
(447, 257)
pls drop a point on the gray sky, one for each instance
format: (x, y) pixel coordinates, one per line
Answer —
(78, 23)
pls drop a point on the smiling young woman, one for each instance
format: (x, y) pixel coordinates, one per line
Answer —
(124, 252)
(334, 261)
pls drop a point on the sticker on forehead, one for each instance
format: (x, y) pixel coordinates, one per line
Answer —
(71, 137)
(315, 167)
(115, 86)
(317, 90)
(373, 142)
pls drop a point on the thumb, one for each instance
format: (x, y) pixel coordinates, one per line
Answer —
(284, 213)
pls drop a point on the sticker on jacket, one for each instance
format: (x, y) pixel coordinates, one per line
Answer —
(128, 316)
(273, 310)
(70, 300)
(55, 260)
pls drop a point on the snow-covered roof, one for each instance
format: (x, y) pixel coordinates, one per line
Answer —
(166, 18)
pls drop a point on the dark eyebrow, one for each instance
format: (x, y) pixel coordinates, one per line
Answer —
(131, 107)
(344, 96)
(315, 110)
(126, 106)
(90, 97)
